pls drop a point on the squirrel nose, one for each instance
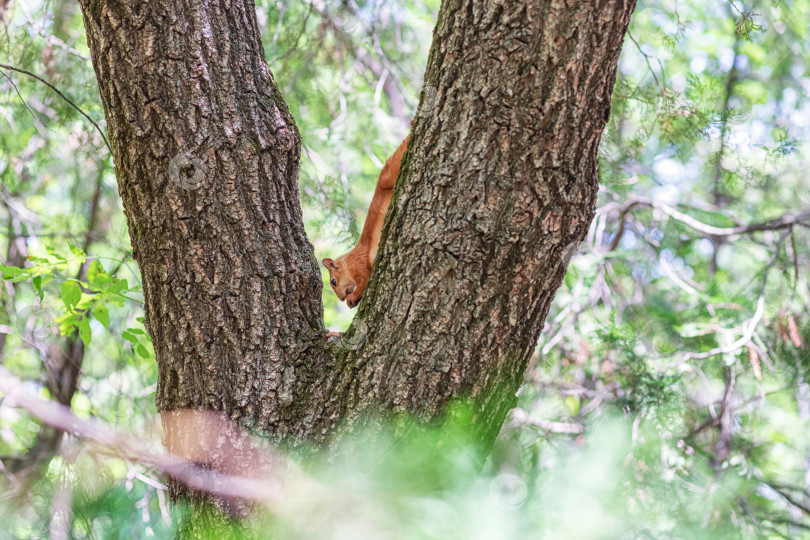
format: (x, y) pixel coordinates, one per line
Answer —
(350, 289)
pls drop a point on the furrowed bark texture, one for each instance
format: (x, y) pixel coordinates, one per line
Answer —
(498, 186)
(207, 157)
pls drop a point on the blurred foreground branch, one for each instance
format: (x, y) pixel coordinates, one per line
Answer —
(265, 491)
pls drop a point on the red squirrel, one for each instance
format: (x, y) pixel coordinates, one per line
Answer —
(349, 273)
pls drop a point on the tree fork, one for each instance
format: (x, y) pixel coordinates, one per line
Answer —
(499, 182)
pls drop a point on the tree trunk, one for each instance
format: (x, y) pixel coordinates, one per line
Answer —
(497, 192)
(499, 182)
(206, 157)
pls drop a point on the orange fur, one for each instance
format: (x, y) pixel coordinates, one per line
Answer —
(349, 273)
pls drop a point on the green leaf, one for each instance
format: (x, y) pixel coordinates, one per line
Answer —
(129, 336)
(46, 278)
(71, 294)
(78, 253)
(143, 352)
(119, 285)
(37, 282)
(84, 330)
(66, 324)
(15, 274)
(86, 302)
(52, 252)
(573, 404)
(96, 274)
(102, 315)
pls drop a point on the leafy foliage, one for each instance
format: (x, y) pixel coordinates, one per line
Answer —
(668, 396)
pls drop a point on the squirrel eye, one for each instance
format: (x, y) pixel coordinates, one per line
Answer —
(334, 283)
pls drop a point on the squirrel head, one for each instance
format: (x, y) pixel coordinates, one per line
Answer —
(347, 278)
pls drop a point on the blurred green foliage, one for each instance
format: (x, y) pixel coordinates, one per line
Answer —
(669, 394)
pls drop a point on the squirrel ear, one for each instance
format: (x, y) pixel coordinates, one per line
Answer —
(329, 264)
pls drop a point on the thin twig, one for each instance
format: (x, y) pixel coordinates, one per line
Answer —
(784, 221)
(646, 59)
(63, 96)
(37, 121)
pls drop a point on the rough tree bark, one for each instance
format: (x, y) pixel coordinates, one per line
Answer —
(499, 181)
